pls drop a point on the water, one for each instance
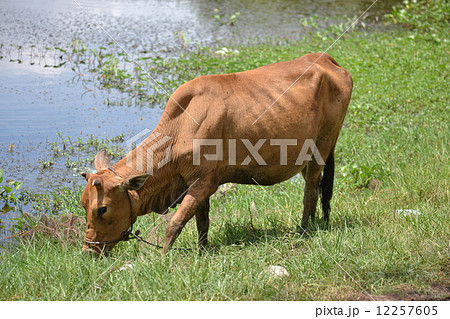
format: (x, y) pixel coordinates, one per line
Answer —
(36, 101)
(151, 24)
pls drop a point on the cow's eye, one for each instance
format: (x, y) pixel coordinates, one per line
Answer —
(101, 211)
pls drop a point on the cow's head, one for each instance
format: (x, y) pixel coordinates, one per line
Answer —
(108, 205)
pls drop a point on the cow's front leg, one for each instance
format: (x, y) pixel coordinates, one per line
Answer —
(184, 213)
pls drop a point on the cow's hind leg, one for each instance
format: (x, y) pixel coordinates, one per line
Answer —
(312, 179)
(202, 219)
(313, 213)
(326, 186)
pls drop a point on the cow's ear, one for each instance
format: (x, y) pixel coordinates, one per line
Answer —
(135, 182)
(102, 161)
(85, 175)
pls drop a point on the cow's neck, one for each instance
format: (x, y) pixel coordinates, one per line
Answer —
(153, 157)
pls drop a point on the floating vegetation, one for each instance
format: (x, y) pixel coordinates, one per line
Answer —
(78, 154)
(220, 18)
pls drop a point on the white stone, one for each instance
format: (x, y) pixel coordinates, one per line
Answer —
(126, 266)
(278, 271)
(406, 212)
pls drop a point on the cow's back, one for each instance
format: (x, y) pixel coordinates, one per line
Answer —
(306, 98)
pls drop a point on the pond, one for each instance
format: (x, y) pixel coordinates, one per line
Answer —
(40, 96)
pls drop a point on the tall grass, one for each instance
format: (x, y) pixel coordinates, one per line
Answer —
(392, 157)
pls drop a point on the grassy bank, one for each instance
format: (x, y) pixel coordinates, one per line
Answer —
(388, 237)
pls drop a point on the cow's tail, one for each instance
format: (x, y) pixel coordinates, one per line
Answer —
(326, 186)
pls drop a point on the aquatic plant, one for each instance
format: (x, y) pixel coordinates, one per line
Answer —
(79, 154)
(8, 192)
(219, 18)
(428, 17)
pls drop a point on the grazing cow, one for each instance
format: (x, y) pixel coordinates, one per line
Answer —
(260, 127)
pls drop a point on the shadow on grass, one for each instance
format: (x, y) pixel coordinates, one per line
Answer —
(240, 234)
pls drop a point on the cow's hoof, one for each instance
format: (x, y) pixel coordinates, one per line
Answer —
(303, 231)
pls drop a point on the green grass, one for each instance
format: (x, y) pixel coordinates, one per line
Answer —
(396, 132)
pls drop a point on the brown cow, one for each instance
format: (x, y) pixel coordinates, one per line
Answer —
(210, 127)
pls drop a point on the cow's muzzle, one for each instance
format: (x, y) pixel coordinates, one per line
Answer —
(102, 247)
